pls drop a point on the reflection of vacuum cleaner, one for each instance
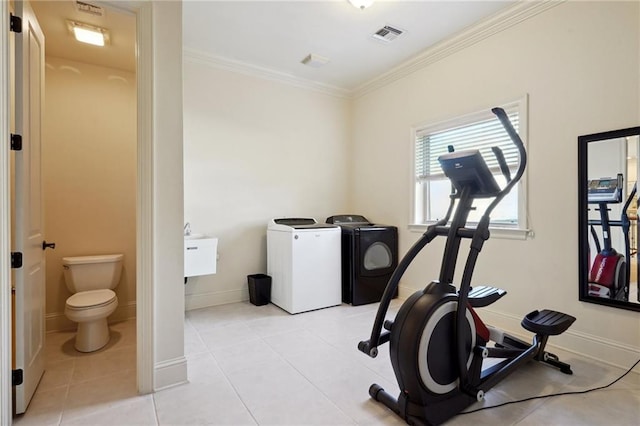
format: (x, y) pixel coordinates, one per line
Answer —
(610, 272)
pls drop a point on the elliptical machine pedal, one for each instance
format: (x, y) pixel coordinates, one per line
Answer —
(547, 322)
(484, 296)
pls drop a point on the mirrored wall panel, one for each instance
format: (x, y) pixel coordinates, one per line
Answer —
(608, 218)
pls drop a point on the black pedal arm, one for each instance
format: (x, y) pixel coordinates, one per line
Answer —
(482, 296)
(366, 347)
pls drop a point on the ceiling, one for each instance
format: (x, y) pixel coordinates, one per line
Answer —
(119, 53)
(274, 36)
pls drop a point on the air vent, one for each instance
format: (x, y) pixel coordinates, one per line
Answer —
(89, 8)
(387, 34)
(314, 60)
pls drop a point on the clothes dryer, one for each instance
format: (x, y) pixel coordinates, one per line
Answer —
(303, 260)
(369, 257)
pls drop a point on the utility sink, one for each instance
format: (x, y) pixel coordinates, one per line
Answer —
(194, 236)
(200, 253)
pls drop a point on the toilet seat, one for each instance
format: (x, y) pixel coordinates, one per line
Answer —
(90, 299)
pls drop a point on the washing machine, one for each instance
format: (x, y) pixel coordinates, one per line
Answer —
(303, 260)
(369, 257)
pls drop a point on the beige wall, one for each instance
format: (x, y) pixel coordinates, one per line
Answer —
(89, 170)
(255, 150)
(579, 64)
(170, 365)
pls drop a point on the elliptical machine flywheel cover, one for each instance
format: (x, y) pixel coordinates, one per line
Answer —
(422, 344)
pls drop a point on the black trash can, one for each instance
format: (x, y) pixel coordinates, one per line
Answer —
(259, 289)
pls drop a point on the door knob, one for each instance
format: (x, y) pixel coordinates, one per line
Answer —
(46, 245)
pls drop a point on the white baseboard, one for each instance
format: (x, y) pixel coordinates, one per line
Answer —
(203, 300)
(170, 373)
(58, 321)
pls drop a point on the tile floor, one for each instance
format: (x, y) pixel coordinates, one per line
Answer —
(259, 365)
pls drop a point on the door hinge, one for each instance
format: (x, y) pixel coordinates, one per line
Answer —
(15, 23)
(16, 259)
(16, 142)
(17, 377)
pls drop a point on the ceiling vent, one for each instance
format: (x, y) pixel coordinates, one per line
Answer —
(387, 34)
(314, 60)
(89, 8)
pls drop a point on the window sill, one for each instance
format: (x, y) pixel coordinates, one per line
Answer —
(496, 232)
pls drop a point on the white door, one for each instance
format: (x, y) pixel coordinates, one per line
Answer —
(28, 235)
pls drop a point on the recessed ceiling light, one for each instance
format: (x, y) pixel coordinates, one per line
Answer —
(88, 33)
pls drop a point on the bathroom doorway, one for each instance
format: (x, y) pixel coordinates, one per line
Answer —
(89, 151)
(89, 163)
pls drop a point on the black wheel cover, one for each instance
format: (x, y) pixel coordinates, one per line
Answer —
(436, 354)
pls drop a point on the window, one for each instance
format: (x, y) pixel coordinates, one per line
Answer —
(476, 131)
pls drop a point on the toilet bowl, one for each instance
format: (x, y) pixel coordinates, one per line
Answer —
(91, 279)
(90, 310)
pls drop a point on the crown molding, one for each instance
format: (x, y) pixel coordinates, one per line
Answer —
(196, 56)
(519, 12)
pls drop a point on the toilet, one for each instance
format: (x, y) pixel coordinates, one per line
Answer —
(91, 279)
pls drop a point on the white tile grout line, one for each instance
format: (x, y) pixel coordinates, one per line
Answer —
(155, 409)
(232, 386)
(66, 398)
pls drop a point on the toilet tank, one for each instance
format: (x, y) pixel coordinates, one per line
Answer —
(83, 273)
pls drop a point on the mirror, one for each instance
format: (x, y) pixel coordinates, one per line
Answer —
(608, 171)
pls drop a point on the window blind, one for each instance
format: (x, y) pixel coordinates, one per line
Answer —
(482, 135)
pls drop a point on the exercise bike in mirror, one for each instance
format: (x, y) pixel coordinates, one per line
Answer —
(608, 218)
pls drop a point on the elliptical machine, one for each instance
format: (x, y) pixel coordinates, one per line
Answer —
(437, 342)
(609, 276)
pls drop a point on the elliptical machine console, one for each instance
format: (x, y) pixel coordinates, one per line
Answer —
(605, 190)
(437, 342)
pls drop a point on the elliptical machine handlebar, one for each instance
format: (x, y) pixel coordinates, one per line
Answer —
(502, 162)
(522, 153)
(627, 203)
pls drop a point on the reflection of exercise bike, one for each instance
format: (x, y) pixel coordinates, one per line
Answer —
(437, 342)
(610, 273)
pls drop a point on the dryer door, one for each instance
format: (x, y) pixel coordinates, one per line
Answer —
(377, 251)
(375, 258)
(378, 256)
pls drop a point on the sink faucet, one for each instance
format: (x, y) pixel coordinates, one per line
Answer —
(187, 229)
